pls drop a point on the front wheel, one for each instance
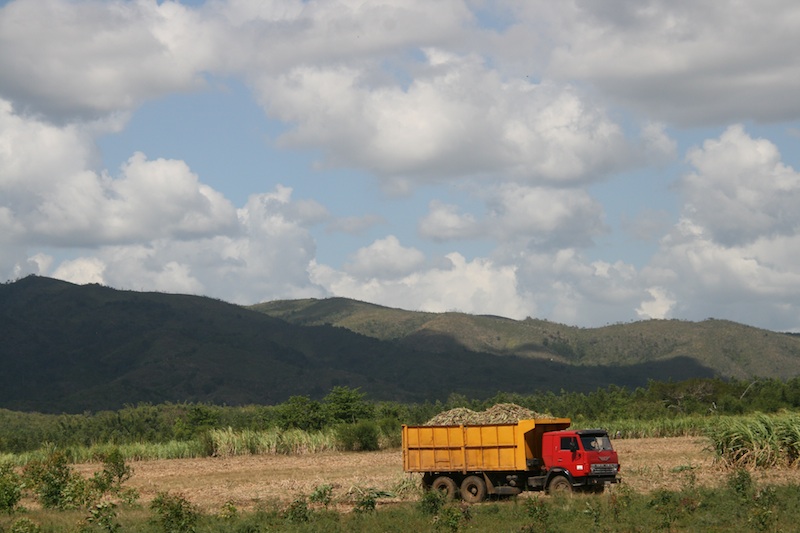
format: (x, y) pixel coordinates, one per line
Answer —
(559, 485)
(473, 489)
(446, 486)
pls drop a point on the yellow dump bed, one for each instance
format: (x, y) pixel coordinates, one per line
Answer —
(469, 448)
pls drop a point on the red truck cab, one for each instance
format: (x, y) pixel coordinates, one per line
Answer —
(576, 460)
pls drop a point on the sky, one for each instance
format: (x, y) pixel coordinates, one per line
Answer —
(587, 162)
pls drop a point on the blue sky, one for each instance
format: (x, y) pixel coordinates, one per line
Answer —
(586, 163)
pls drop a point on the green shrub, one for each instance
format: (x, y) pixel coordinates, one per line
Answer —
(366, 503)
(361, 436)
(174, 513)
(228, 511)
(619, 500)
(539, 512)
(366, 499)
(48, 478)
(207, 445)
(10, 488)
(104, 515)
(391, 430)
(763, 511)
(450, 518)
(431, 502)
(297, 512)
(408, 486)
(114, 473)
(55, 484)
(741, 483)
(322, 494)
(115, 468)
(667, 505)
(25, 525)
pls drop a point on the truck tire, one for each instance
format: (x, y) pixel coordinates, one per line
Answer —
(559, 485)
(473, 489)
(446, 486)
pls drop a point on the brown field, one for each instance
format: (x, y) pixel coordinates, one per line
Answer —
(249, 481)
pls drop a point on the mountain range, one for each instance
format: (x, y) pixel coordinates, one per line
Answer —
(75, 348)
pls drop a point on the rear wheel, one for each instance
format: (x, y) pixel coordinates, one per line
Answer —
(473, 489)
(559, 485)
(446, 486)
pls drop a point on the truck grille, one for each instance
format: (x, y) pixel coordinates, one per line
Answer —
(609, 469)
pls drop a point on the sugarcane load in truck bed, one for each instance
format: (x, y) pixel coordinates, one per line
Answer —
(475, 460)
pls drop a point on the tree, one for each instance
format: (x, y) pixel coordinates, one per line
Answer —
(344, 404)
(301, 412)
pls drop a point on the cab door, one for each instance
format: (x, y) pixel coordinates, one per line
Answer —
(567, 453)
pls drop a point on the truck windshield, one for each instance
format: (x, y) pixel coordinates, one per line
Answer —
(596, 442)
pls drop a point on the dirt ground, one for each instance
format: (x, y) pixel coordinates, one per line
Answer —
(250, 481)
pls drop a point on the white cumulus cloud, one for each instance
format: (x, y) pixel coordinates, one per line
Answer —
(88, 58)
(456, 118)
(686, 62)
(455, 284)
(385, 258)
(740, 189)
(735, 249)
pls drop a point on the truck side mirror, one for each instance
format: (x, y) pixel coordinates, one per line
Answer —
(573, 445)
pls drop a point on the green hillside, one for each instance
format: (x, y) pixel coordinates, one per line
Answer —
(71, 348)
(730, 349)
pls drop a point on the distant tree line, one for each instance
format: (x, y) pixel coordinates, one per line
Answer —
(20, 432)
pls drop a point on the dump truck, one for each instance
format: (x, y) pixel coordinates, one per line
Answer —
(473, 461)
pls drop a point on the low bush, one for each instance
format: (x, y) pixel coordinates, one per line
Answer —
(55, 484)
(431, 502)
(298, 511)
(25, 525)
(451, 518)
(322, 494)
(174, 513)
(365, 500)
(104, 515)
(391, 432)
(538, 511)
(10, 488)
(359, 437)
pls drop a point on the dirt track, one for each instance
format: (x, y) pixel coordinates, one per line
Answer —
(248, 481)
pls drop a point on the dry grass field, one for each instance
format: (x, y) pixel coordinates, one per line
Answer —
(250, 481)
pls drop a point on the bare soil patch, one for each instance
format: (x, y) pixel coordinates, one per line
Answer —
(251, 481)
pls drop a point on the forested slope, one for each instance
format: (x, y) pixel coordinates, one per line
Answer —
(730, 349)
(65, 347)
